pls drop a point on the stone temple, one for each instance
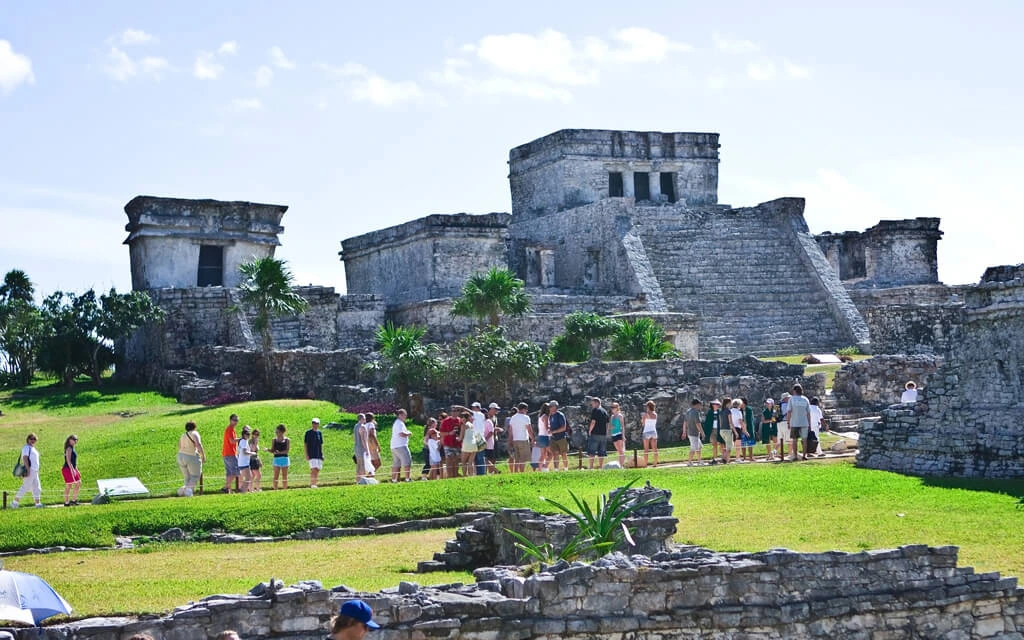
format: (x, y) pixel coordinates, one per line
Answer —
(624, 223)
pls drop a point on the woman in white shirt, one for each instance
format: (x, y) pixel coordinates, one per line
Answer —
(909, 393)
(30, 481)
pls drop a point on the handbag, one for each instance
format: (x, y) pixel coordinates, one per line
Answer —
(479, 441)
(20, 470)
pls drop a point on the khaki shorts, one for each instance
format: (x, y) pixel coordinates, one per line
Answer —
(726, 435)
(560, 446)
(521, 450)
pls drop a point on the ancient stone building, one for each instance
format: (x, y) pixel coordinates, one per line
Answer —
(176, 242)
(623, 220)
(892, 253)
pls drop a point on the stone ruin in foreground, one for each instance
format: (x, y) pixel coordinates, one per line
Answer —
(915, 592)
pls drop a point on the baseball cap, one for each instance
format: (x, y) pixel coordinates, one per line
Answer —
(359, 610)
(769, 401)
(475, 405)
(493, 405)
(316, 420)
(716, 401)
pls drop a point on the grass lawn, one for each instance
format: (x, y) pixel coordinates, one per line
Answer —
(828, 369)
(159, 577)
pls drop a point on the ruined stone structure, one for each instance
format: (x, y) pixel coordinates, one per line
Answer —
(914, 592)
(626, 220)
(197, 243)
(891, 253)
(969, 415)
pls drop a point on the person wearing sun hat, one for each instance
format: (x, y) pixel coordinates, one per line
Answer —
(354, 620)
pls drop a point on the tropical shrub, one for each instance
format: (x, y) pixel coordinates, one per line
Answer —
(642, 339)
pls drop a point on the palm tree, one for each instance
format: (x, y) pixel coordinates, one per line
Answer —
(266, 288)
(16, 286)
(405, 359)
(486, 296)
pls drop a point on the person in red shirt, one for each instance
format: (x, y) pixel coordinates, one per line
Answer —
(451, 444)
(229, 451)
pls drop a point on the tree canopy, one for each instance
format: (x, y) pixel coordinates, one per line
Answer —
(488, 296)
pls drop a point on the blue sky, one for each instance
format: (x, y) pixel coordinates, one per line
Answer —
(364, 115)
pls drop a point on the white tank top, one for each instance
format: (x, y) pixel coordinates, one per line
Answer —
(650, 425)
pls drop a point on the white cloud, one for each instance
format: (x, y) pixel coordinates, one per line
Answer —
(364, 85)
(761, 70)
(119, 65)
(228, 48)
(548, 57)
(643, 45)
(153, 65)
(279, 60)
(247, 104)
(206, 66)
(795, 71)
(132, 37)
(733, 45)
(15, 68)
(264, 76)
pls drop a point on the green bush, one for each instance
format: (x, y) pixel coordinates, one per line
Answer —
(852, 350)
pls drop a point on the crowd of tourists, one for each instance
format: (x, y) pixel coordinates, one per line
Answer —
(464, 442)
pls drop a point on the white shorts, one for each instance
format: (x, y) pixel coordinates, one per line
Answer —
(695, 443)
(784, 431)
(650, 435)
(316, 463)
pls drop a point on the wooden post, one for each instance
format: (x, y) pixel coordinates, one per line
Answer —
(636, 461)
(5, 500)
(579, 456)
(200, 483)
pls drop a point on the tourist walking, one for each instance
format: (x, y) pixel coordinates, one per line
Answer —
(597, 434)
(469, 446)
(813, 447)
(244, 457)
(712, 423)
(280, 450)
(798, 414)
(72, 478)
(190, 459)
(450, 445)
(769, 428)
(401, 456)
(618, 433)
(749, 435)
(255, 464)
(371, 441)
(783, 425)
(433, 443)
(313, 442)
(730, 431)
(229, 453)
(520, 435)
(649, 422)
(693, 431)
(360, 452)
(30, 479)
(491, 433)
(559, 428)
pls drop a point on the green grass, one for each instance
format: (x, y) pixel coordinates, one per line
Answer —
(828, 369)
(126, 432)
(158, 577)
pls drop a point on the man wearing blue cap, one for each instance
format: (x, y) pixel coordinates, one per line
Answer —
(353, 621)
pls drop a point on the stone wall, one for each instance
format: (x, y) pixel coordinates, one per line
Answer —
(878, 382)
(427, 258)
(571, 167)
(486, 541)
(911, 319)
(913, 592)
(969, 421)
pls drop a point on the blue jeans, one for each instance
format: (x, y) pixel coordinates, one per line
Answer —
(480, 460)
(597, 446)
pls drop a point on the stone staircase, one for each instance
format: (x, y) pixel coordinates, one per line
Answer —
(844, 418)
(742, 275)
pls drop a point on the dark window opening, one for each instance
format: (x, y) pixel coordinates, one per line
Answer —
(668, 186)
(641, 186)
(211, 266)
(615, 184)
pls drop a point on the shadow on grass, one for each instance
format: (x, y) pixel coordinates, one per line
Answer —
(84, 393)
(1013, 488)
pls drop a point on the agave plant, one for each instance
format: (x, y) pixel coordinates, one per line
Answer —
(546, 552)
(602, 528)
